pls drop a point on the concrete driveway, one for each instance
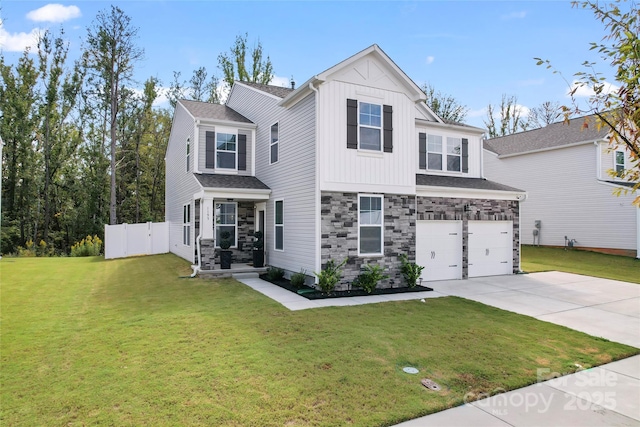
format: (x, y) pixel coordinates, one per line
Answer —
(608, 395)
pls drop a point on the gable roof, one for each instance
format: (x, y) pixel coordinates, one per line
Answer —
(208, 111)
(230, 181)
(555, 135)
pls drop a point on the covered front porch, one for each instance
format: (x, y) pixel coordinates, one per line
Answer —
(239, 209)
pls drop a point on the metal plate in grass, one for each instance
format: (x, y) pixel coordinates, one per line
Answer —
(430, 384)
(410, 370)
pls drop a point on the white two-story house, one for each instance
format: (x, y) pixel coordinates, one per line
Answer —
(352, 165)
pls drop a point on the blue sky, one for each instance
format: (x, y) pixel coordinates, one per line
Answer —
(475, 51)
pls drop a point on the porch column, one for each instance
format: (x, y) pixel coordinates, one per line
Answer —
(207, 218)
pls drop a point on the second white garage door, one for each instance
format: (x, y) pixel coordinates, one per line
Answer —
(490, 248)
(439, 249)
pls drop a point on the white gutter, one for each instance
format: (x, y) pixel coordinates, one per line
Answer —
(318, 219)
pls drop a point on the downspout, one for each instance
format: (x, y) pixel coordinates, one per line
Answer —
(198, 265)
(318, 198)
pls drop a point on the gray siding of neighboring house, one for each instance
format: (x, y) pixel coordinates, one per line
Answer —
(292, 179)
(202, 145)
(180, 183)
(564, 193)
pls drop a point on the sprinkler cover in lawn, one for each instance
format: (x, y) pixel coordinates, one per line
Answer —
(410, 370)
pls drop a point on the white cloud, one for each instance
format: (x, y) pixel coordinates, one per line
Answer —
(430, 60)
(514, 15)
(585, 91)
(18, 42)
(54, 12)
(282, 81)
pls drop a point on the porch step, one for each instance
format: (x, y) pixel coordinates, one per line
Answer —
(245, 275)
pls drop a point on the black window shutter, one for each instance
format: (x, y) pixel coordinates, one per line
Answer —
(422, 150)
(388, 128)
(465, 155)
(352, 123)
(210, 150)
(242, 152)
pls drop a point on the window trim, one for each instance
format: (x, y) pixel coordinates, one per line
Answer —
(379, 128)
(276, 143)
(226, 132)
(442, 148)
(186, 224)
(215, 222)
(381, 226)
(276, 225)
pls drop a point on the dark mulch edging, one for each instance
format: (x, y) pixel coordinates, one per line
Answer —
(311, 293)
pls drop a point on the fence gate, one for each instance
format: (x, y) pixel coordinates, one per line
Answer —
(125, 240)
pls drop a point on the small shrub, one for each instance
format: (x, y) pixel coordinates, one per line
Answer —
(28, 251)
(89, 246)
(369, 279)
(225, 240)
(258, 243)
(298, 279)
(275, 273)
(410, 271)
(329, 277)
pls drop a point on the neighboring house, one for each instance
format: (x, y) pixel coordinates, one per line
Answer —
(564, 167)
(352, 164)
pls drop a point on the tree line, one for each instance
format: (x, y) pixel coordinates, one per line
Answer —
(83, 146)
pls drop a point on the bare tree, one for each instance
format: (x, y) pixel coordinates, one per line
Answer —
(545, 114)
(511, 119)
(445, 106)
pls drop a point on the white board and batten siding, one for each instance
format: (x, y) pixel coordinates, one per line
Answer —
(180, 183)
(564, 193)
(343, 169)
(291, 179)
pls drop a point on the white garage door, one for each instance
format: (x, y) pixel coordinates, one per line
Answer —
(490, 248)
(439, 249)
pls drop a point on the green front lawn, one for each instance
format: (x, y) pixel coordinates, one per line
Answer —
(535, 258)
(129, 342)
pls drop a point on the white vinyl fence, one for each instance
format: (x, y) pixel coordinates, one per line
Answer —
(125, 240)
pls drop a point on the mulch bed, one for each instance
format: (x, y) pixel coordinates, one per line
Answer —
(311, 293)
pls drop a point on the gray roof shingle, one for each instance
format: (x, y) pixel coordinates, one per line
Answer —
(461, 182)
(551, 136)
(230, 181)
(206, 110)
(279, 91)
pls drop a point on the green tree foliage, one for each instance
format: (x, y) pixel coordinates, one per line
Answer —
(618, 110)
(445, 106)
(109, 57)
(198, 88)
(234, 63)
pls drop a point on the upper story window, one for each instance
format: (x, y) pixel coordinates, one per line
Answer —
(440, 154)
(274, 143)
(619, 162)
(369, 126)
(370, 225)
(188, 153)
(370, 121)
(226, 151)
(434, 152)
(454, 153)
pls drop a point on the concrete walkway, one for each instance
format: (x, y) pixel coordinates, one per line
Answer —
(608, 395)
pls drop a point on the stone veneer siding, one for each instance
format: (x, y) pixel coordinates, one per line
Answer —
(243, 253)
(339, 212)
(340, 236)
(443, 208)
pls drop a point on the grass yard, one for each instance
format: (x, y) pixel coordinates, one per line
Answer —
(595, 264)
(127, 342)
